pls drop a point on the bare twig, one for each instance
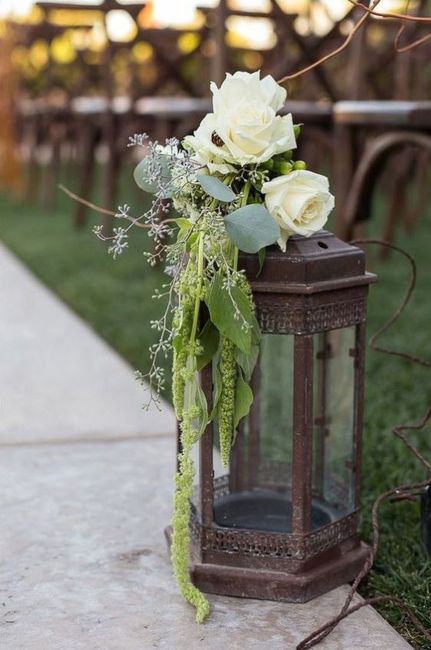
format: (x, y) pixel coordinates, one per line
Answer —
(397, 313)
(401, 492)
(368, 12)
(416, 43)
(97, 208)
(79, 199)
(387, 15)
(333, 53)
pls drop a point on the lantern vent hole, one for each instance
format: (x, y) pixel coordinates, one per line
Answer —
(322, 244)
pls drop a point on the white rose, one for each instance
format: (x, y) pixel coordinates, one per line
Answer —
(205, 158)
(300, 202)
(244, 127)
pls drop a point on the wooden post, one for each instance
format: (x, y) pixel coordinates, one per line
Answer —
(219, 62)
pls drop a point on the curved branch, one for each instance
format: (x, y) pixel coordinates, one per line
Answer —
(365, 174)
(97, 208)
(387, 15)
(335, 52)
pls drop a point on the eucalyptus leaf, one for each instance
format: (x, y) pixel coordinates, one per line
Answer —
(243, 400)
(209, 340)
(155, 165)
(251, 228)
(215, 188)
(222, 313)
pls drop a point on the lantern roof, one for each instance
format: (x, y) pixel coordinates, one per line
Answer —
(313, 264)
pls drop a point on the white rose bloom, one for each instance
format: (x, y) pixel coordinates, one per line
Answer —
(205, 158)
(300, 202)
(244, 127)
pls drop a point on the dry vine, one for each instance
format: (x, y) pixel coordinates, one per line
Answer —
(100, 210)
(368, 12)
(415, 43)
(401, 492)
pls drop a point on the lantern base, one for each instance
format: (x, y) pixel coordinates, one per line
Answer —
(280, 586)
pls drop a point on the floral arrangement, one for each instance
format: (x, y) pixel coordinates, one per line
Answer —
(235, 187)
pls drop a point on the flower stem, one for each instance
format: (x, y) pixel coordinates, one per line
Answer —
(246, 192)
(200, 271)
(235, 258)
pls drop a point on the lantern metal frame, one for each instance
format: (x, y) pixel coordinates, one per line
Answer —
(319, 284)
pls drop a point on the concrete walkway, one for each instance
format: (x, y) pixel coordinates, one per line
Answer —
(84, 564)
(58, 379)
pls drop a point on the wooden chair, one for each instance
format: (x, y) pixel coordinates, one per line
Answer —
(384, 129)
(393, 125)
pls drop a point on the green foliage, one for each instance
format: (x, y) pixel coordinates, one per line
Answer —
(261, 255)
(243, 400)
(182, 328)
(227, 401)
(251, 228)
(194, 418)
(247, 362)
(217, 383)
(215, 188)
(209, 338)
(196, 403)
(180, 522)
(184, 225)
(221, 307)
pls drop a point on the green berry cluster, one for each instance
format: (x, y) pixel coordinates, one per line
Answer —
(226, 407)
(180, 522)
(182, 327)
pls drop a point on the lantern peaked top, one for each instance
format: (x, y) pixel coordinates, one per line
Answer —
(310, 265)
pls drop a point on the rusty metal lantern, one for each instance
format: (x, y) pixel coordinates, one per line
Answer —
(282, 524)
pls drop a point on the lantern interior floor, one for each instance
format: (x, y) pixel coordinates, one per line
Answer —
(262, 509)
(85, 567)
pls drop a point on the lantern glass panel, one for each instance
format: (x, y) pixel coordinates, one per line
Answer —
(260, 473)
(334, 390)
(276, 399)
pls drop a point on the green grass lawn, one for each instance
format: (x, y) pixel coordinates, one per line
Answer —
(115, 298)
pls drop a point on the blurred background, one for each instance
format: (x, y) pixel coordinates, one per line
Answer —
(77, 79)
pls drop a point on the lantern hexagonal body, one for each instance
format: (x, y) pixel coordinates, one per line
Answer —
(282, 524)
